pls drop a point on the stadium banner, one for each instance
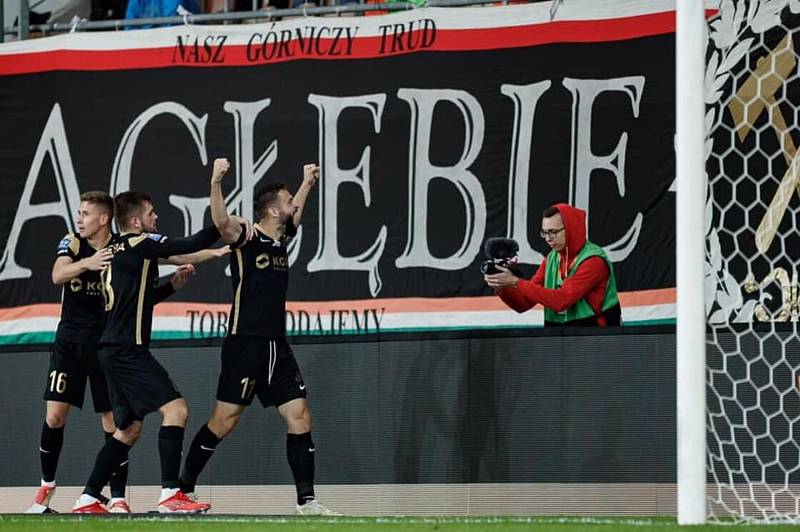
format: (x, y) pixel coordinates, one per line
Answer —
(435, 129)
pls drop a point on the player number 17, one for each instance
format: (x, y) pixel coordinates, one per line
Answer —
(247, 387)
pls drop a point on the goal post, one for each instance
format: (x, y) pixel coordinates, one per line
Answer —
(690, 48)
(751, 293)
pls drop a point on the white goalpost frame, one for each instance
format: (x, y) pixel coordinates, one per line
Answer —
(690, 46)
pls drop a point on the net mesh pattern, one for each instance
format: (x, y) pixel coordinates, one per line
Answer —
(752, 218)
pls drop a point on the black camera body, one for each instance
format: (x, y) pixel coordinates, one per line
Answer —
(489, 266)
(499, 252)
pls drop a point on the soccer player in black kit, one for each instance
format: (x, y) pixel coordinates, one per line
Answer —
(256, 360)
(138, 384)
(80, 258)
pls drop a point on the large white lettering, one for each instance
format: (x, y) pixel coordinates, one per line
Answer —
(328, 256)
(422, 171)
(525, 98)
(52, 143)
(584, 161)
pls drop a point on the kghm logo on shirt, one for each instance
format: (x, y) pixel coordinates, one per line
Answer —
(93, 288)
(262, 261)
(278, 263)
(75, 284)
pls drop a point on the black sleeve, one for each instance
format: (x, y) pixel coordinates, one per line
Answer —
(162, 292)
(157, 246)
(242, 240)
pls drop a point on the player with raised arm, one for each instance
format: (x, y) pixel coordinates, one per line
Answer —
(138, 384)
(256, 359)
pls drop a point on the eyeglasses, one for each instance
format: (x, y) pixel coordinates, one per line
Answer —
(552, 233)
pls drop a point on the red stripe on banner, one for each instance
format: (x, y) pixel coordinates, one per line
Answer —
(332, 49)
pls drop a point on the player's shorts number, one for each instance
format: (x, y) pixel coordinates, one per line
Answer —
(58, 381)
(247, 387)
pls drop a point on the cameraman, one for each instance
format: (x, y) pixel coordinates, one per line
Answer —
(575, 282)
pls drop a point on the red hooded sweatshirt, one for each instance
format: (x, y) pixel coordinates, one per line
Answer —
(589, 281)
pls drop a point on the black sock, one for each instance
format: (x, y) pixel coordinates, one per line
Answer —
(170, 446)
(49, 451)
(300, 452)
(120, 477)
(113, 453)
(200, 453)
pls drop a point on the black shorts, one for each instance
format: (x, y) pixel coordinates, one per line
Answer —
(137, 382)
(70, 365)
(259, 366)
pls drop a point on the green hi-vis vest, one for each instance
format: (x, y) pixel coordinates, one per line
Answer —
(582, 309)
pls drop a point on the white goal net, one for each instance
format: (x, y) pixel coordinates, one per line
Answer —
(752, 220)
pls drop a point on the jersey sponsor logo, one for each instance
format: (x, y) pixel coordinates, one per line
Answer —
(75, 284)
(262, 261)
(92, 288)
(63, 246)
(279, 263)
(158, 238)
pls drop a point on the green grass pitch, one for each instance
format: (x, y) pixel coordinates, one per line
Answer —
(53, 523)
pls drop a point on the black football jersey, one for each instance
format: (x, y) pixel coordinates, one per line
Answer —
(81, 297)
(129, 283)
(260, 274)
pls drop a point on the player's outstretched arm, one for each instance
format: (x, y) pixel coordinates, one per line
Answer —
(65, 268)
(199, 257)
(229, 228)
(310, 177)
(176, 282)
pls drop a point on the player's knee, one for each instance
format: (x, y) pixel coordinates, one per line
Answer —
(180, 414)
(129, 435)
(176, 413)
(229, 424)
(224, 424)
(55, 420)
(299, 419)
(107, 422)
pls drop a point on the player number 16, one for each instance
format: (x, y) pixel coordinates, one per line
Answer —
(58, 381)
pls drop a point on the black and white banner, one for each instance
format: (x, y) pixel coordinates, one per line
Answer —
(435, 129)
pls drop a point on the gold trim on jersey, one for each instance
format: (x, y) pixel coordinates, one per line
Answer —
(137, 240)
(237, 297)
(104, 244)
(74, 243)
(140, 302)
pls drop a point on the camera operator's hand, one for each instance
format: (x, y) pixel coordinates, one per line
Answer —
(504, 279)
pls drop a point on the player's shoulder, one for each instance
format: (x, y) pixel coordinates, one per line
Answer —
(134, 240)
(70, 243)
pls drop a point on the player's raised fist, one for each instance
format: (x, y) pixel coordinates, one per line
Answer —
(221, 167)
(310, 173)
